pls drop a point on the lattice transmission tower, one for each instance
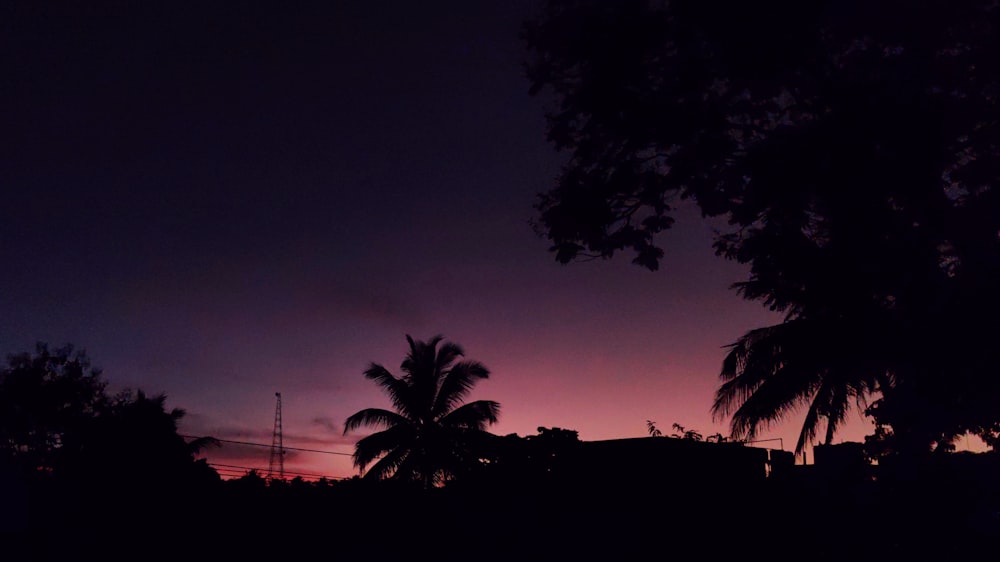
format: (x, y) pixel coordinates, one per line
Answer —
(277, 461)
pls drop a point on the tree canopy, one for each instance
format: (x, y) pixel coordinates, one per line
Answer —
(46, 400)
(59, 419)
(851, 146)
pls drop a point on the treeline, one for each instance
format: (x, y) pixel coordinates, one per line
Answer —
(87, 474)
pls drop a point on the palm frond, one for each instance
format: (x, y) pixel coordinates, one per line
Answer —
(836, 409)
(388, 465)
(447, 354)
(783, 393)
(376, 418)
(457, 384)
(831, 402)
(752, 360)
(412, 356)
(408, 468)
(809, 425)
(397, 389)
(396, 438)
(422, 354)
(196, 445)
(422, 377)
(752, 343)
(772, 371)
(474, 415)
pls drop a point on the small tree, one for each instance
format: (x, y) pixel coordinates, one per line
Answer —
(652, 429)
(689, 434)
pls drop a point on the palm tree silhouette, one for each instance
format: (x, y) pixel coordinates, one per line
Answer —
(427, 437)
(771, 372)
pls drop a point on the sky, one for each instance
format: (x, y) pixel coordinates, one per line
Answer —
(219, 201)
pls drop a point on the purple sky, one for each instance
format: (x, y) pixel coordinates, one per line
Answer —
(220, 202)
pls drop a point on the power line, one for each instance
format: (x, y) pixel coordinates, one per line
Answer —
(269, 446)
(233, 467)
(778, 439)
(234, 470)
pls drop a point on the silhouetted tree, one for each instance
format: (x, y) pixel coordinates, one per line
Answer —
(770, 371)
(85, 457)
(46, 400)
(683, 433)
(652, 429)
(529, 462)
(428, 435)
(135, 440)
(852, 146)
(553, 449)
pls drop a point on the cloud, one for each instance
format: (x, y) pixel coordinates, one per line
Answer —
(327, 423)
(327, 435)
(319, 441)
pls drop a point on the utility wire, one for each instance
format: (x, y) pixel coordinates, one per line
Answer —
(240, 472)
(233, 467)
(269, 446)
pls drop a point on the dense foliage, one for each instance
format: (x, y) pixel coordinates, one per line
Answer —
(853, 148)
(70, 450)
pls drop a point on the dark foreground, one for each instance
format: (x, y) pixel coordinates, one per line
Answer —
(944, 512)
